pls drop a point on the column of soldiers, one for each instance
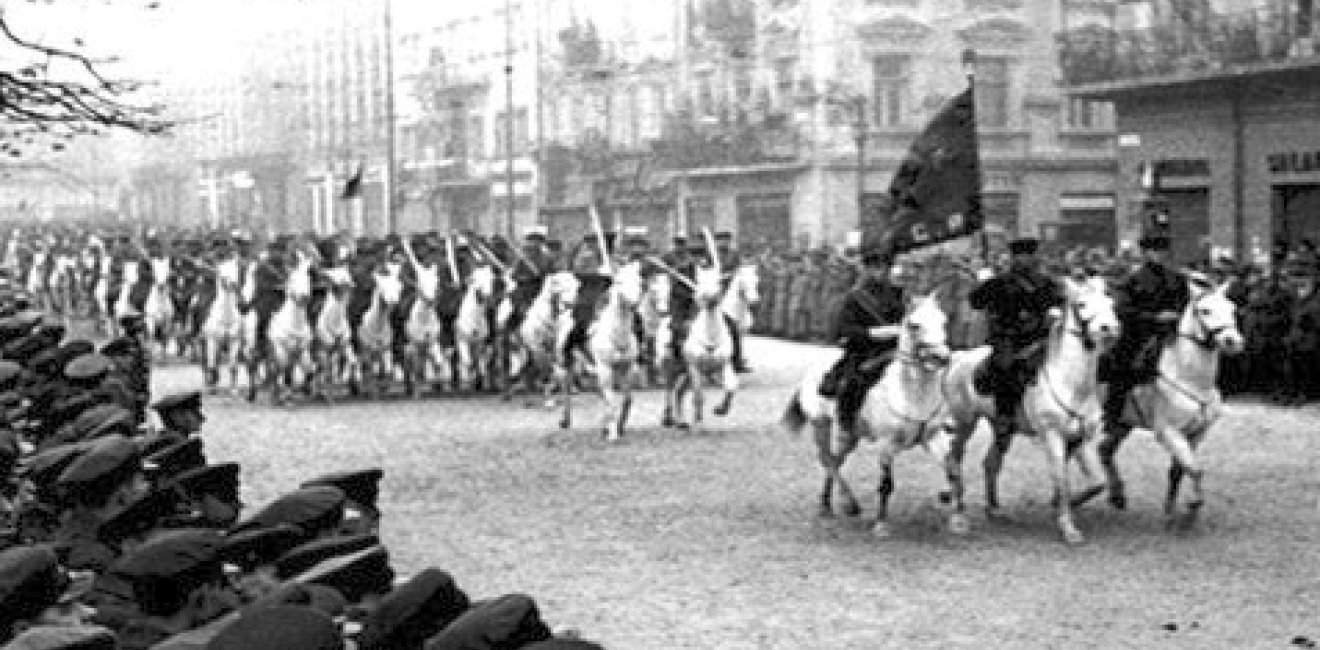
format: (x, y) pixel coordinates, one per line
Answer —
(117, 531)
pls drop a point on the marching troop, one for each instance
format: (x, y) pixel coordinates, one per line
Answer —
(302, 314)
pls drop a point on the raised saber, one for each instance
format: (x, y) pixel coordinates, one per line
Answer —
(600, 236)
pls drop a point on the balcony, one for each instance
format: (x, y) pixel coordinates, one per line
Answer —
(1198, 47)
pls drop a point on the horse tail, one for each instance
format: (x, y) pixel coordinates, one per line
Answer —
(794, 417)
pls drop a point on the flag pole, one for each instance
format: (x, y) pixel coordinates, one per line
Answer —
(969, 70)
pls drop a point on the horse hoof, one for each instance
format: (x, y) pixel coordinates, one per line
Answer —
(959, 525)
(945, 497)
(682, 426)
(564, 423)
(721, 411)
(1072, 537)
(1084, 497)
(995, 514)
(667, 421)
(852, 510)
(881, 530)
(1118, 500)
(824, 512)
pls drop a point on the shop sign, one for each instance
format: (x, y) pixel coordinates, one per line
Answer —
(1294, 162)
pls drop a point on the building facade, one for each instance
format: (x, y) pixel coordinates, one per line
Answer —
(1221, 131)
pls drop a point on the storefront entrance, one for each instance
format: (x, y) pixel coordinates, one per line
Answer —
(1189, 223)
(1296, 214)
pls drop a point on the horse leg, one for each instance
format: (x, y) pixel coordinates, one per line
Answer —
(1056, 453)
(1113, 439)
(1088, 458)
(847, 444)
(730, 387)
(993, 463)
(697, 382)
(565, 378)
(670, 378)
(821, 430)
(956, 496)
(881, 529)
(609, 391)
(1183, 463)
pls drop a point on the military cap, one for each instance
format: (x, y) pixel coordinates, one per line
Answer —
(216, 480)
(118, 347)
(96, 421)
(279, 628)
(413, 612)
(510, 621)
(534, 238)
(52, 329)
(106, 464)
(1155, 242)
(45, 467)
(9, 453)
(360, 486)
(306, 556)
(191, 400)
(31, 579)
(187, 556)
(355, 575)
(87, 368)
(130, 318)
(20, 324)
(74, 349)
(24, 348)
(723, 235)
(64, 637)
(177, 458)
(564, 643)
(253, 548)
(877, 257)
(10, 372)
(314, 509)
(46, 362)
(1024, 246)
(139, 516)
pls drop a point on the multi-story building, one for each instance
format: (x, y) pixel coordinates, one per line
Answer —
(783, 118)
(1216, 107)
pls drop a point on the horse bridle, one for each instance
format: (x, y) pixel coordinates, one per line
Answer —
(1084, 333)
(1210, 341)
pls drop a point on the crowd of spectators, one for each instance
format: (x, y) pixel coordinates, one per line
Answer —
(1277, 313)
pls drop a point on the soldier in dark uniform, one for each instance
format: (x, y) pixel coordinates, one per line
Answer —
(1149, 304)
(594, 284)
(269, 294)
(867, 324)
(678, 255)
(1267, 318)
(1017, 305)
(529, 272)
(1303, 338)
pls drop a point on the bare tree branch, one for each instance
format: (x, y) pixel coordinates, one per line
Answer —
(35, 106)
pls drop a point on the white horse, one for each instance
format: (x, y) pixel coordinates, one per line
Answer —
(124, 302)
(903, 409)
(707, 355)
(614, 351)
(375, 333)
(159, 307)
(741, 298)
(336, 359)
(222, 327)
(101, 292)
(542, 334)
(423, 353)
(290, 332)
(472, 329)
(1182, 403)
(1061, 408)
(36, 277)
(654, 313)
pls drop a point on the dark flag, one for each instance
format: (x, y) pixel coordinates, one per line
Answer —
(353, 188)
(936, 193)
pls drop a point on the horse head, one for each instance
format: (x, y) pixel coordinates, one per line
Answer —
(130, 272)
(1090, 313)
(389, 287)
(1210, 318)
(627, 283)
(708, 288)
(482, 282)
(924, 334)
(228, 274)
(658, 288)
(160, 270)
(298, 285)
(747, 281)
(428, 283)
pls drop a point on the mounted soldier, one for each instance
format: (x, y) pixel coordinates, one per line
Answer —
(529, 272)
(1018, 304)
(268, 292)
(730, 260)
(588, 267)
(867, 324)
(1150, 303)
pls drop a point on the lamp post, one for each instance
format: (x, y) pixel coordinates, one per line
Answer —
(508, 119)
(858, 104)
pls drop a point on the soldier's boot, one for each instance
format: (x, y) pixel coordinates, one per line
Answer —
(852, 394)
(1114, 402)
(1006, 406)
